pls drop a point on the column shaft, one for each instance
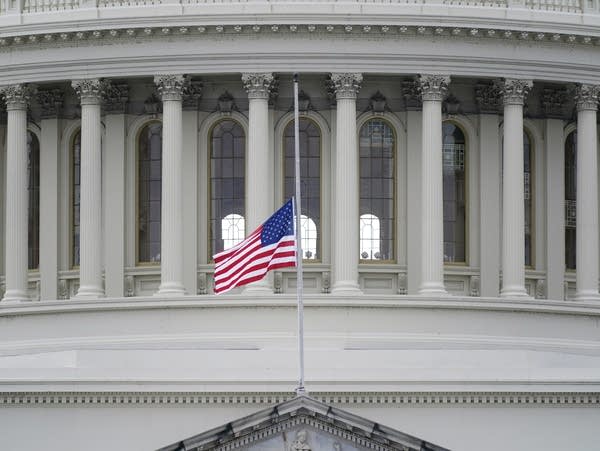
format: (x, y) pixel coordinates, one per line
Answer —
(16, 202)
(346, 195)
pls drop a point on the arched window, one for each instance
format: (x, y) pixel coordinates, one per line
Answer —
(75, 196)
(529, 196)
(571, 200)
(454, 181)
(149, 192)
(227, 166)
(33, 190)
(377, 145)
(232, 229)
(310, 176)
(370, 237)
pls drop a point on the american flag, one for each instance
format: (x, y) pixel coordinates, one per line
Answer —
(272, 245)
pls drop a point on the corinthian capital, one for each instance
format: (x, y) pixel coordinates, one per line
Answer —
(89, 90)
(258, 85)
(433, 87)
(170, 87)
(17, 96)
(514, 91)
(586, 97)
(346, 85)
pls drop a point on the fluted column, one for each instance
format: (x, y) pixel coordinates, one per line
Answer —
(17, 98)
(513, 210)
(587, 193)
(259, 177)
(170, 89)
(90, 229)
(346, 196)
(433, 89)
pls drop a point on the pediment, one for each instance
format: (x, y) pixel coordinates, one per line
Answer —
(303, 424)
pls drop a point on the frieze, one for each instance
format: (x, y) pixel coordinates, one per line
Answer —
(411, 94)
(192, 93)
(553, 102)
(115, 97)
(591, 399)
(488, 97)
(50, 101)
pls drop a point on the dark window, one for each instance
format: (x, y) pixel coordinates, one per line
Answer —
(571, 200)
(75, 196)
(33, 189)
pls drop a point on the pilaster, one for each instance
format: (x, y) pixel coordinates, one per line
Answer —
(17, 100)
(259, 179)
(190, 201)
(346, 195)
(587, 192)
(170, 89)
(513, 211)
(433, 88)
(90, 234)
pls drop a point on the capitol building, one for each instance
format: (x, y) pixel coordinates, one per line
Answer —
(450, 224)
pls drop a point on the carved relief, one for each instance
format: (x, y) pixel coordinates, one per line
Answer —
(411, 94)
(586, 97)
(50, 101)
(226, 103)
(17, 96)
(129, 286)
(326, 282)
(278, 282)
(346, 85)
(202, 283)
(514, 91)
(488, 97)
(402, 283)
(63, 289)
(433, 87)
(300, 443)
(192, 93)
(378, 103)
(170, 87)
(540, 289)
(258, 85)
(553, 101)
(89, 90)
(474, 286)
(115, 96)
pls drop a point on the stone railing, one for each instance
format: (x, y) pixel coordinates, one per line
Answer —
(37, 6)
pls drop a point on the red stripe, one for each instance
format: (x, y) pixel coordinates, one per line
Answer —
(226, 254)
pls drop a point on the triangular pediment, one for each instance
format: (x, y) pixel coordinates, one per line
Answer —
(303, 424)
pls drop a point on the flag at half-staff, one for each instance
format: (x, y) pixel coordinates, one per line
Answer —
(271, 246)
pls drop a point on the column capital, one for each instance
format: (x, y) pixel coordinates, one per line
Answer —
(258, 84)
(514, 90)
(17, 96)
(433, 87)
(89, 90)
(586, 97)
(51, 101)
(346, 85)
(170, 87)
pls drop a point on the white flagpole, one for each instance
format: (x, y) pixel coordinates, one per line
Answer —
(300, 389)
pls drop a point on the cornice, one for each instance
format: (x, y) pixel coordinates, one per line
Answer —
(408, 399)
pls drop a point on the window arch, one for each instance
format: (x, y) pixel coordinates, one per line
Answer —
(33, 190)
(571, 201)
(227, 167)
(232, 230)
(454, 181)
(529, 196)
(310, 175)
(377, 148)
(75, 196)
(149, 190)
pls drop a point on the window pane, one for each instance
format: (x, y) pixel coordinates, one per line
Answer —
(571, 200)
(376, 150)
(453, 158)
(149, 192)
(75, 197)
(33, 189)
(310, 175)
(227, 185)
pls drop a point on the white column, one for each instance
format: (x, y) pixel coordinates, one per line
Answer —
(259, 173)
(170, 89)
(114, 192)
(513, 208)
(17, 98)
(346, 195)
(587, 193)
(50, 101)
(433, 89)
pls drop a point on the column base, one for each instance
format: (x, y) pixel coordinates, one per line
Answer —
(15, 295)
(346, 288)
(514, 292)
(171, 289)
(89, 292)
(587, 295)
(432, 289)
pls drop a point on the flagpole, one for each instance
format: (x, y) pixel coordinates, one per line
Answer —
(297, 204)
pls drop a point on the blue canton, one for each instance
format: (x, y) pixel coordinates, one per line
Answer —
(278, 225)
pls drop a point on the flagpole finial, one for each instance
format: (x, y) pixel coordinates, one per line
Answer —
(296, 76)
